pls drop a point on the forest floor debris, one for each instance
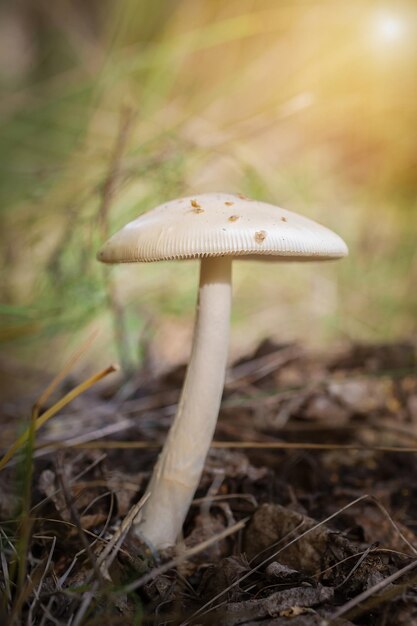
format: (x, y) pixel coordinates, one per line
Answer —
(305, 515)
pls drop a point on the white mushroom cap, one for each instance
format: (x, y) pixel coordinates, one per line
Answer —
(221, 224)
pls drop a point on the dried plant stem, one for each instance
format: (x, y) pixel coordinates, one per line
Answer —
(42, 399)
(232, 445)
(40, 421)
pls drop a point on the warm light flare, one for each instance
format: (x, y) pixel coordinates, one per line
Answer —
(389, 27)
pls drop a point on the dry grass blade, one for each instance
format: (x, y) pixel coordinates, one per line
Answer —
(119, 424)
(85, 603)
(28, 437)
(370, 592)
(7, 593)
(79, 389)
(87, 469)
(37, 590)
(62, 374)
(358, 563)
(319, 573)
(237, 445)
(106, 558)
(258, 368)
(394, 525)
(109, 552)
(75, 516)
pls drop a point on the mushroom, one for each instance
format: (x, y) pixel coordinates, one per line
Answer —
(215, 228)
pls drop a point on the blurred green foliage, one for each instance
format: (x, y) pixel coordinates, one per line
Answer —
(310, 105)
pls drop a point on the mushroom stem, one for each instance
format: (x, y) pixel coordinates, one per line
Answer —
(180, 464)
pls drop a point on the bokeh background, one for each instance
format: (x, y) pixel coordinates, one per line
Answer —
(110, 107)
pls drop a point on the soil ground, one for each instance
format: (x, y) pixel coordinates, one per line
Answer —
(306, 513)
